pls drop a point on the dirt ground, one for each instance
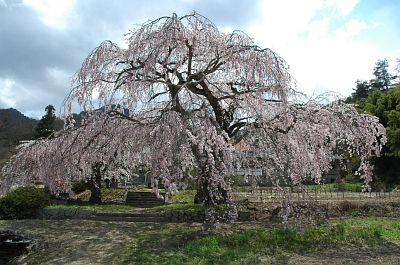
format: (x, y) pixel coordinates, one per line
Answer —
(95, 242)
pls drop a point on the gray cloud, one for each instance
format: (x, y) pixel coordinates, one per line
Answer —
(41, 59)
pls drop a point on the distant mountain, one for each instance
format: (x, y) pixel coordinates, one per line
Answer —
(14, 127)
(14, 115)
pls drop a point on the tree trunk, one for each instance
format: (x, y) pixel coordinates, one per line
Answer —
(95, 184)
(211, 193)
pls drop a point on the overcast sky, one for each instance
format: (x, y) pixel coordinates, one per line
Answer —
(329, 44)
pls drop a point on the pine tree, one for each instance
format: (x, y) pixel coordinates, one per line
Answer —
(47, 124)
(361, 91)
(382, 78)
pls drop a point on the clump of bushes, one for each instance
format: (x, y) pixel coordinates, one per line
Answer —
(79, 186)
(23, 203)
(344, 184)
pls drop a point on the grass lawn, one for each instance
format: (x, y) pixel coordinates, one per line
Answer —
(182, 200)
(113, 198)
(349, 241)
(109, 207)
(353, 187)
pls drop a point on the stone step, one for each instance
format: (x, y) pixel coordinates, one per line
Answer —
(150, 194)
(144, 193)
(138, 205)
(135, 204)
(144, 200)
(127, 219)
(109, 214)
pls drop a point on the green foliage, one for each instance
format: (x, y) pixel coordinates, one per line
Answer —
(386, 106)
(23, 203)
(360, 92)
(47, 125)
(351, 178)
(387, 169)
(382, 79)
(79, 186)
(343, 185)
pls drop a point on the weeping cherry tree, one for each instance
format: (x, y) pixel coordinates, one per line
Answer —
(193, 92)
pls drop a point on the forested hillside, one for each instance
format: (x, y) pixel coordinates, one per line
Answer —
(14, 127)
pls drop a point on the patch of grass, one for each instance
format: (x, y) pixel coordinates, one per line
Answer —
(281, 258)
(177, 207)
(86, 242)
(113, 195)
(251, 246)
(389, 228)
(335, 187)
(182, 200)
(183, 196)
(117, 195)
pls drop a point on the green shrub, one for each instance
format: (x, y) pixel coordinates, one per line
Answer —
(23, 203)
(351, 178)
(79, 186)
(378, 185)
(340, 185)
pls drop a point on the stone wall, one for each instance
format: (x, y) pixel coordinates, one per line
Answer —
(176, 216)
(65, 213)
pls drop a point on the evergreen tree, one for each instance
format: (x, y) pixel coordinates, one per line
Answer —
(47, 124)
(361, 90)
(360, 93)
(382, 78)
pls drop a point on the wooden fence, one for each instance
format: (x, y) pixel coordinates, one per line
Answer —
(272, 194)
